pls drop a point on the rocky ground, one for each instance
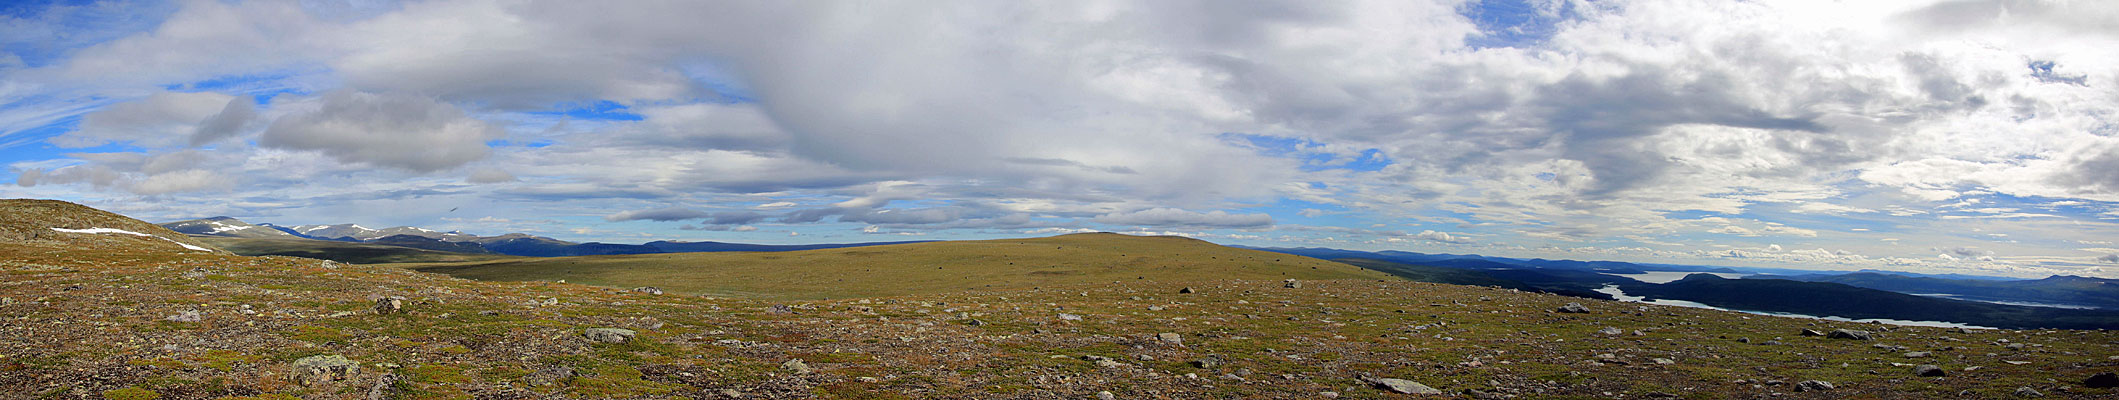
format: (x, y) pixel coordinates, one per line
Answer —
(139, 324)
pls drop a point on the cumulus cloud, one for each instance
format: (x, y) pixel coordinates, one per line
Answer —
(1171, 217)
(163, 119)
(389, 130)
(159, 174)
(1794, 119)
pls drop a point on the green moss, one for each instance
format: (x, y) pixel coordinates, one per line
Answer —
(614, 381)
(131, 393)
(436, 373)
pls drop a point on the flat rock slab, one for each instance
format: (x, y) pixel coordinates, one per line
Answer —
(1404, 386)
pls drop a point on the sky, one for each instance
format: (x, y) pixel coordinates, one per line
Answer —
(1974, 137)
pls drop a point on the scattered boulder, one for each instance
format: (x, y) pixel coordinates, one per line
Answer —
(796, 366)
(324, 368)
(187, 316)
(1813, 386)
(1291, 284)
(1069, 317)
(1403, 386)
(648, 289)
(780, 309)
(2027, 391)
(1105, 395)
(389, 305)
(1663, 361)
(385, 388)
(1928, 370)
(2102, 380)
(1185, 291)
(608, 335)
(1610, 331)
(1171, 338)
(1573, 308)
(1812, 332)
(1916, 354)
(1848, 334)
(1207, 363)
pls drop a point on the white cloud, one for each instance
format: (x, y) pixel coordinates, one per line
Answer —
(1171, 217)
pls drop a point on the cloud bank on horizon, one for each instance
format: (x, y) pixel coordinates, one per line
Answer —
(1961, 136)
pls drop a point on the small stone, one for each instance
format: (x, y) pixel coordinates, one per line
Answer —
(551, 376)
(648, 290)
(1813, 386)
(1848, 334)
(608, 335)
(1916, 354)
(1610, 331)
(1328, 395)
(1069, 317)
(389, 305)
(1291, 284)
(1185, 291)
(1573, 308)
(2027, 391)
(780, 309)
(796, 366)
(1404, 386)
(2102, 380)
(1812, 332)
(731, 393)
(324, 368)
(1928, 370)
(1663, 361)
(1105, 395)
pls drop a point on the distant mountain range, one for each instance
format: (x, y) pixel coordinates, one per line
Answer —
(514, 244)
(1974, 300)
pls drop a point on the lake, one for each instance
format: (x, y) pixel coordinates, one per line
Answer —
(1614, 291)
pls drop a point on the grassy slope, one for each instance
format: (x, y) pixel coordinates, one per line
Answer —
(916, 268)
(357, 253)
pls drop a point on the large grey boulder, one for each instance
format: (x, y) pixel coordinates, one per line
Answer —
(389, 305)
(1404, 386)
(1928, 370)
(1573, 308)
(1813, 386)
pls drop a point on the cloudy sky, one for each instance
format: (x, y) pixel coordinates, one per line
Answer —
(1931, 136)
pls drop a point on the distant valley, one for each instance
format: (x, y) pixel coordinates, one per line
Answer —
(2092, 303)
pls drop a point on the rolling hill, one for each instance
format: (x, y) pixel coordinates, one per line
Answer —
(931, 267)
(60, 224)
(114, 316)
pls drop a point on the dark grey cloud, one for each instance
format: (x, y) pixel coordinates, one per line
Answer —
(239, 113)
(407, 132)
(1604, 120)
